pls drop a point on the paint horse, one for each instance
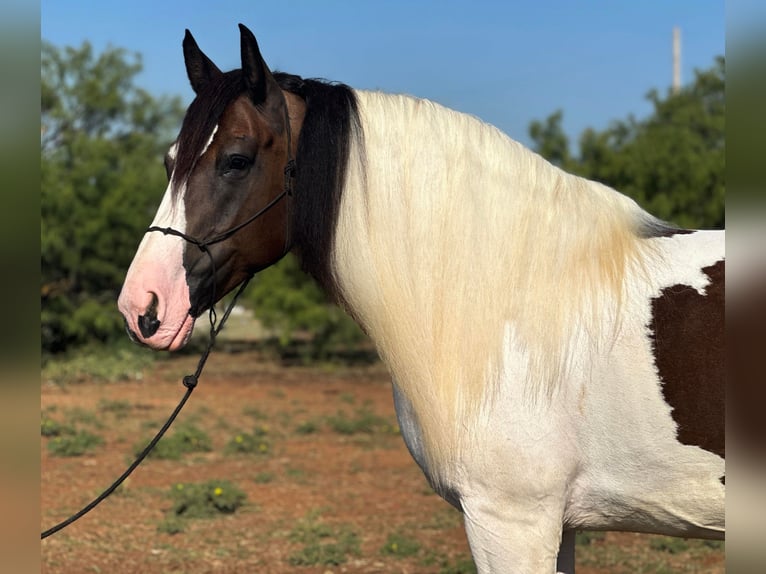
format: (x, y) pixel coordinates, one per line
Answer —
(556, 352)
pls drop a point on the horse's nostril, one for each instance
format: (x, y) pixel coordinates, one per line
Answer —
(148, 322)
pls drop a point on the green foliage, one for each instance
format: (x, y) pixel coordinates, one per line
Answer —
(551, 141)
(172, 525)
(460, 566)
(669, 544)
(187, 438)
(263, 478)
(73, 444)
(81, 416)
(399, 545)
(96, 362)
(649, 554)
(307, 427)
(587, 537)
(255, 413)
(290, 303)
(203, 500)
(102, 141)
(256, 442)
(672, 163)
(364, 421)
(120, 408)
(322, 544)
(50, 428)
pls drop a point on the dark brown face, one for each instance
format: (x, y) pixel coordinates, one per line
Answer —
(226, 167)
(240, 173)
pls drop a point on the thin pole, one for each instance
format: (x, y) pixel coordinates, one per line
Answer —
(676, 59)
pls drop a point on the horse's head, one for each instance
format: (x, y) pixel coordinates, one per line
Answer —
(225, 211)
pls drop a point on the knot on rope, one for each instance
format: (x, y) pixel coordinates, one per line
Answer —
(190, 381)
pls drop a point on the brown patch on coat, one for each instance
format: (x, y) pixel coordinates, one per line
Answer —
(688, 332)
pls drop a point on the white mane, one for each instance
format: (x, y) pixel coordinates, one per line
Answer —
(448, 233)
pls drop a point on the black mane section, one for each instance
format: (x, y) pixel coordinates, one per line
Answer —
(200, 119)
(330, 123)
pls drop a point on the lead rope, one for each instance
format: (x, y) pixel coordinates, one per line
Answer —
(190, 381)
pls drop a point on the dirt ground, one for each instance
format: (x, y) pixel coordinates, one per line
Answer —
(314, 478)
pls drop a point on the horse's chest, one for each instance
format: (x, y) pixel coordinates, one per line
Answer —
(410, 429)
(413, 439)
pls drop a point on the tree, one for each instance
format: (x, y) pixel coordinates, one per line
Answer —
(102, 140)
(288, 301)
(672, 162)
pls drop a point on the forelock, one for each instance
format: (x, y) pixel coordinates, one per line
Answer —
(201, 118)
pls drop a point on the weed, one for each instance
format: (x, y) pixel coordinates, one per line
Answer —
(246, 443)
(98, 362)
(668, 544)
(50, 428)
(263, 478)
(400, 545)
(444, 518)
(203, 500)
(120, 408)
(657, 555)
(307, 427)
(78, 415)
(586, 537)
(171, 525)
(322, 544)
(365, 421)
(185, 439)
(347, 398)
(297, 474)
(75, 444)
(254, 413)
(460, 566)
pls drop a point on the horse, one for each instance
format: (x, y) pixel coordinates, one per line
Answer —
(556, 352)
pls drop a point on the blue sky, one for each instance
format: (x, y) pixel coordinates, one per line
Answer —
(507, 62)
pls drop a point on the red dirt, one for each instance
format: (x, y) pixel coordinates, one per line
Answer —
(366, 481)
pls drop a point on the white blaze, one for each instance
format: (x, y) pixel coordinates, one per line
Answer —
(157, 271)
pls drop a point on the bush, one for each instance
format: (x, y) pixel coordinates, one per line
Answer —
(96, 362)
(203, 500)
(249, 443)
(185, 439)
(102, 138)
(74, 444)
(51, 428)
(290, 303)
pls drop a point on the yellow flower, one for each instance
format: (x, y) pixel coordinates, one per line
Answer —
(218, 491)
(239, 439)
(179, 486)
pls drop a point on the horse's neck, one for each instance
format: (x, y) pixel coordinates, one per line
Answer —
(449, 233)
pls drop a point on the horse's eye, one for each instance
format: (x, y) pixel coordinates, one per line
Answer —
(238, 163)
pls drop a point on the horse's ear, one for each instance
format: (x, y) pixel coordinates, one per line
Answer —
(200, 69)
(255, 73)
